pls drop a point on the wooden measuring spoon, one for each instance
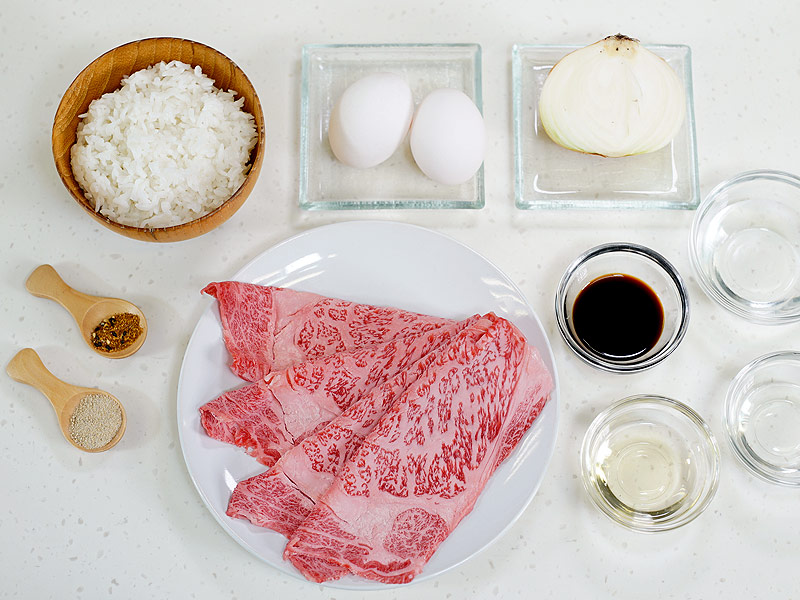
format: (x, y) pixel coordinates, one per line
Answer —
(88, 311)
(27, 367)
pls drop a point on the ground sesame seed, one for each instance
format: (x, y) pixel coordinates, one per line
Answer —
(96, 421)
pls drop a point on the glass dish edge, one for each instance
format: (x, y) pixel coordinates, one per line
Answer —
(516, 94)
(305, 204)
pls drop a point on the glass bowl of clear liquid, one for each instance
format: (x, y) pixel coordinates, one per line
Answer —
(762, 416)
(650, 463)
(745, 246)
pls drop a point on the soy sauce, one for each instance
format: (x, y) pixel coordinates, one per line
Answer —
(618, 317)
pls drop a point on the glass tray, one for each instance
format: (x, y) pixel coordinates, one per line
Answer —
(549, 176)
(328, 69)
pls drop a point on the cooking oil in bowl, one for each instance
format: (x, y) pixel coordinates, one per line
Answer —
(650, 463)
(638, 471)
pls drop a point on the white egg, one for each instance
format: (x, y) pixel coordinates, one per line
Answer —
(371, 120)
(448, 137)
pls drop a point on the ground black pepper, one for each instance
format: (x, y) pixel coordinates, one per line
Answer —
(117, 332)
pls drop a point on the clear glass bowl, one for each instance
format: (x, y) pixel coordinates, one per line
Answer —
(549, 176)
(762, 417)
(642, 263)
(745, 246)
(328, 69)
(650, 463)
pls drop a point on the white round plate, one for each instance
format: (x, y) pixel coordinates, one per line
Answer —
(382, 263)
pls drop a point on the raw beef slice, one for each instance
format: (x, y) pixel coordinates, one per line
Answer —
(270, 416)
(422, 467)
(269, 328)
(281, 498)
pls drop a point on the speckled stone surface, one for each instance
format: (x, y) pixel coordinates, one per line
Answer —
(129, 524)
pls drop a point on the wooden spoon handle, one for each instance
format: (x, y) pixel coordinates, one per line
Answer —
(27, 367)
(45, 282)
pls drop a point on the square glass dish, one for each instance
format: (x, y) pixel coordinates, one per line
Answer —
(549, 176)
(328, 69)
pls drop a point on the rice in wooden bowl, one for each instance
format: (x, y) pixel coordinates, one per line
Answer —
(106, 74)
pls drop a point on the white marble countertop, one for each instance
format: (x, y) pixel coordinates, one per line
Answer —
(129, 523)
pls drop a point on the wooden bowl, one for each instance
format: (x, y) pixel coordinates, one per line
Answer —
(104, 75)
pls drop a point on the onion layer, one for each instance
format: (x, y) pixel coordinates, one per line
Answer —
(613, 98)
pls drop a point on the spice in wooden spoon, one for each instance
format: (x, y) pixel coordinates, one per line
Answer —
(95, 421)
(112, 327)
(116, 332)
(90, 419)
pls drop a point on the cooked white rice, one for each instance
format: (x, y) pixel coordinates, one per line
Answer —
(164, 149)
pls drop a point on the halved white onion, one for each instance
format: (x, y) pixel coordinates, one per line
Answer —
(613, 98)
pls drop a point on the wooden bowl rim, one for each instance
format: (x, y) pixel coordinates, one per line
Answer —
(84, 203)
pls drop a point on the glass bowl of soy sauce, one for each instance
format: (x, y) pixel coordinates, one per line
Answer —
(622, 307)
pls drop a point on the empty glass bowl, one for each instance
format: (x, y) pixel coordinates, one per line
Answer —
(650, 463)
(762, 416)
(638, 262)
(745, 246)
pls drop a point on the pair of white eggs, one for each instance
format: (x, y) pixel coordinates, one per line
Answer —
(374, 114)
